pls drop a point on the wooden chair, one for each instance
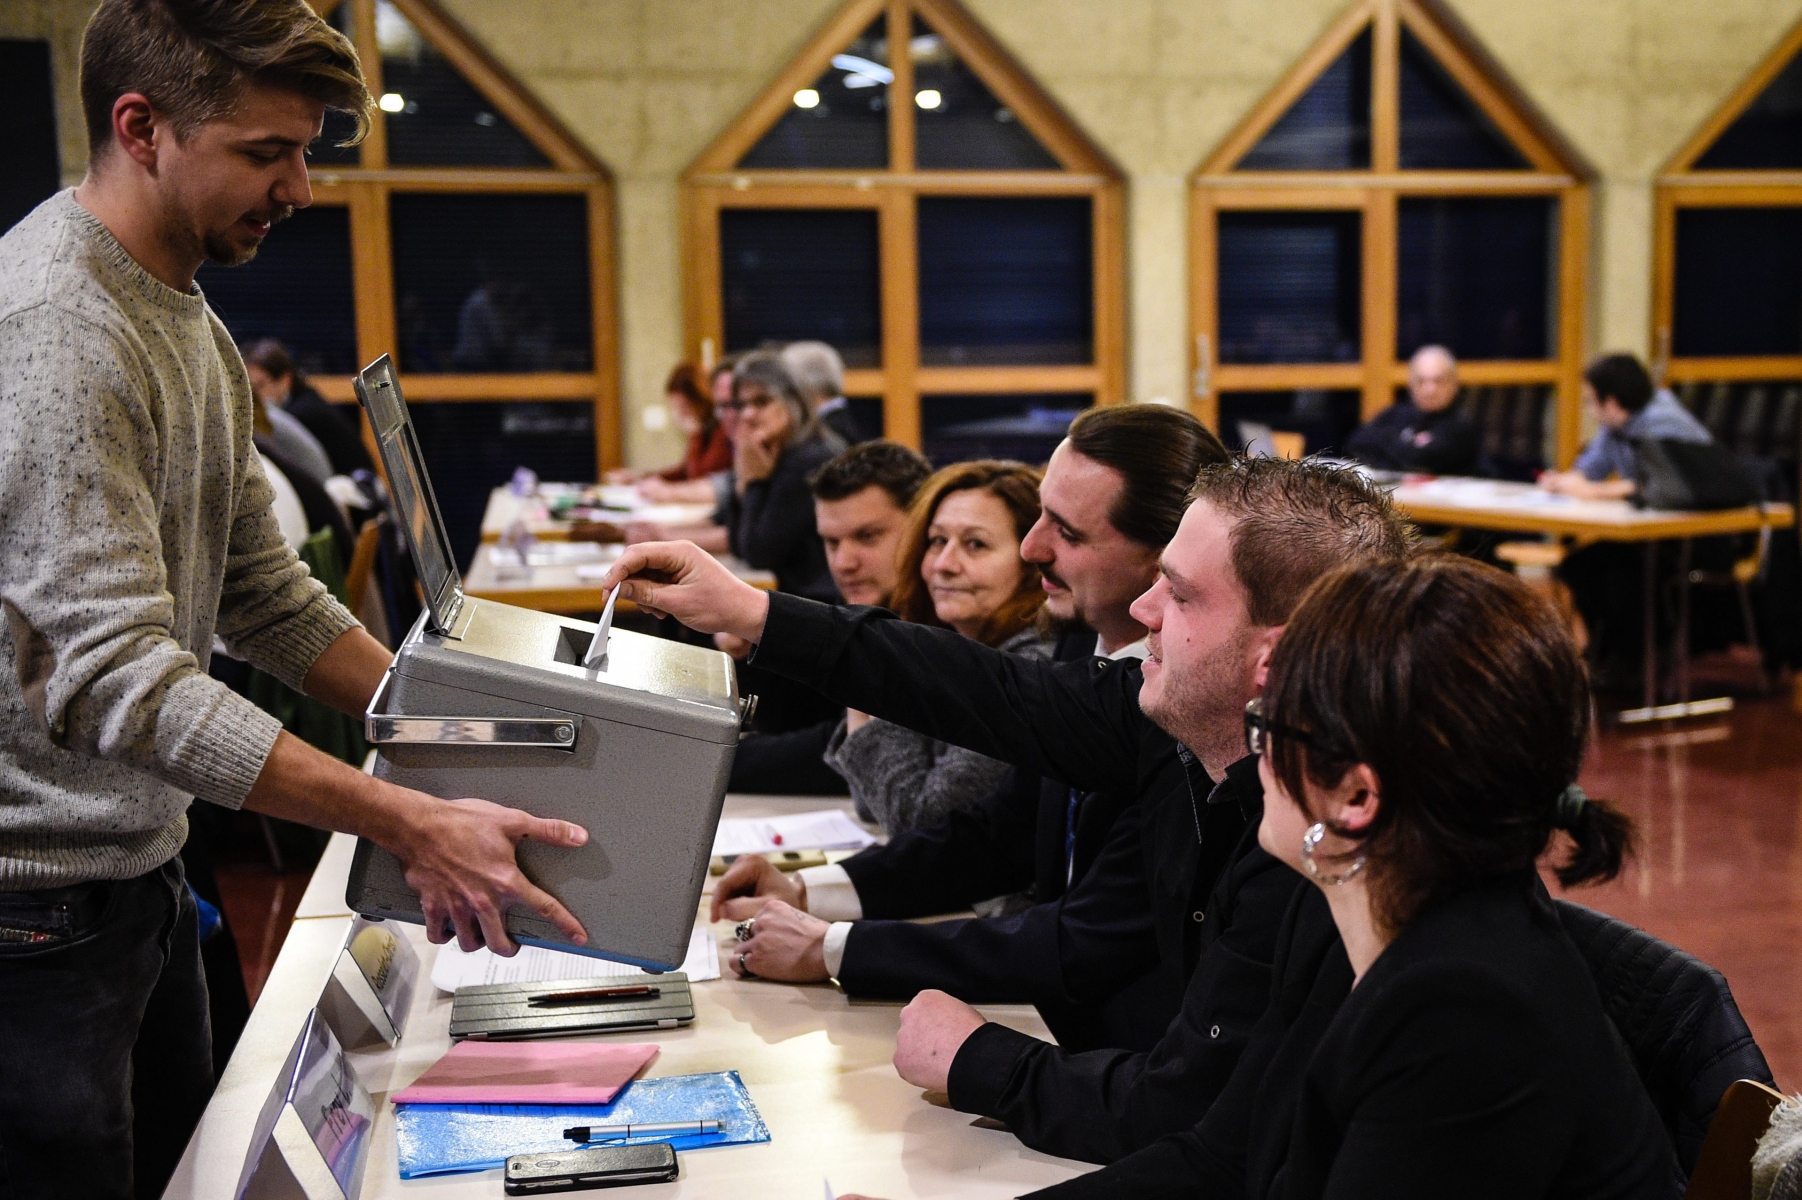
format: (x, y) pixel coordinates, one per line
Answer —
(362, 564)
(1724, 1168)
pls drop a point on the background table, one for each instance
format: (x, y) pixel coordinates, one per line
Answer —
(504, 508)
(1525, 508)
(555, 587)
(816, 1064)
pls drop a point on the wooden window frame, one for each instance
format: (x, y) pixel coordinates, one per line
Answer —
(1555, 170)
(365, 190)
(1682, 185)
(714, 182)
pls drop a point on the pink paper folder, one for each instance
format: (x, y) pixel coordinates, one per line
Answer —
(528, 1073)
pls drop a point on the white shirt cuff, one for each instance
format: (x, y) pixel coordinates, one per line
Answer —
(831, 896)
(833, 948)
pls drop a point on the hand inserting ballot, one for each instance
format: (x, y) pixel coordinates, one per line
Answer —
(785, 945)
(681, 580)
(750, 883)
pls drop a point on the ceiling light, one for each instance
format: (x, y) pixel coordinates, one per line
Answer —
(392, 102)
(863, 66)
(928, 98)
(807, 98)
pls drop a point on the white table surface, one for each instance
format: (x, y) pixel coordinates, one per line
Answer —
(816, 1064)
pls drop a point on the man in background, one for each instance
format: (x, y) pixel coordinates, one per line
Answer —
(819, 372)
(1425, 433)
(860, 504)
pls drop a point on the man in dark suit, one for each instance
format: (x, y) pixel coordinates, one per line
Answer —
(1427, 432)
(1111, 496)
(820, 374)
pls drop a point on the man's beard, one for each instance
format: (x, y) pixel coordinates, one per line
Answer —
(1204, 707)
(226, 254)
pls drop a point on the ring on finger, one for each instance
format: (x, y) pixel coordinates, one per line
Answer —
(746, 930)
(743, 970)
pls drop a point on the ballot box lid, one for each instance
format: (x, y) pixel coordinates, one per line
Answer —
(415, 507)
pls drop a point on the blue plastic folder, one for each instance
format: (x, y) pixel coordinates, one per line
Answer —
(438, 1139)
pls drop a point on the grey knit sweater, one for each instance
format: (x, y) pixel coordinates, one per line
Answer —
(134, 524)
(902, 780)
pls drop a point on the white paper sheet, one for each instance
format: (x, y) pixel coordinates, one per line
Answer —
(827, 829)
(535, 964)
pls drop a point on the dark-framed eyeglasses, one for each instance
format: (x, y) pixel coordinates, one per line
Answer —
(754, 400)
(1258, 729)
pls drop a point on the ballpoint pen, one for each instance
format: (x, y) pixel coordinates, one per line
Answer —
(595, 1133)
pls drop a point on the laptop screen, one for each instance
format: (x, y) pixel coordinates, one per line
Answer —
(414, 505)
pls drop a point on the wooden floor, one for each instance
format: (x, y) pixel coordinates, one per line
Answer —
(1719, 805)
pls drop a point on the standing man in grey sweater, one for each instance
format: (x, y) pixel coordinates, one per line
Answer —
(135, 525)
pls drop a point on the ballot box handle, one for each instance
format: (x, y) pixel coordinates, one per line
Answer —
(384, 729)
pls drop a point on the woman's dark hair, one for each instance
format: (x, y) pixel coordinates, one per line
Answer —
(1461, 689)
(1016, 485)
(685, 381)
(1157, 451)
(274, 358)
(1622, 377)
(763, 370)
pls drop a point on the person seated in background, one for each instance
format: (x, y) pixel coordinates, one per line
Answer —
(279, 383)
(708, 449)
(820, 374)
(1607, 579)
(1111, 498)
(768, 516)
(1417, 740)
(1618, 392)
(1427, 432)
(716, 485)
(959, 567)
(860, 502)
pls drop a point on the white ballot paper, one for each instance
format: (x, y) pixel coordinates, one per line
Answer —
(827, 829)
(535, 964)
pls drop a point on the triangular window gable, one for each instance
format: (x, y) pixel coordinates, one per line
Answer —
(841, 119)
(435, 117)
(1436, 124)
(1328, 128)
(958, 122)
(943, 97)
(1767, 134)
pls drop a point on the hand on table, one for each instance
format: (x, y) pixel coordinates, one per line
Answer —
(644, 531)
(624, 475)
(681, 580)
(788, 946)
(933, 1027)
(750, 884)
(459, 855)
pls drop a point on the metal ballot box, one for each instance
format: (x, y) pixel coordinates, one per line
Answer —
(491, 701)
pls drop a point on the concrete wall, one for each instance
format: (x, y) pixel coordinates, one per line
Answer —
(1156, 83)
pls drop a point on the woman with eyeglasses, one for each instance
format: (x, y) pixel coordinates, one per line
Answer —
(1418, 738)
(777, 445)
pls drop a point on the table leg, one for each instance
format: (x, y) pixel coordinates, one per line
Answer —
(1684, 549)
(1649, 639)
(1683, 706)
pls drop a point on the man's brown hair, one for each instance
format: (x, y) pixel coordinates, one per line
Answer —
(1156, 450)
(1293, 521)
(192, 58)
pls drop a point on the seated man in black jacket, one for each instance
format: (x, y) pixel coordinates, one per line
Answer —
(1426, 432)
(1112, 496)
(860, 504)
(1260, 533)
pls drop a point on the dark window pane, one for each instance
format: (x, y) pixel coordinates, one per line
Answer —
(297, 289)
(1477, 276)
(1442, 128)
(435, 117)
(799, 274)
(1739, 281)
(1027, 428)
(473, 447)
(492, 283)
(325, 150)
(1328, 129)
(958, 123)
(840, 121)
(29, 170)
(1006, 281)
(1288, 286)
(866, 415)
(1515, 424)
(1758, 418)
(1323, 418)
(1768, 135)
